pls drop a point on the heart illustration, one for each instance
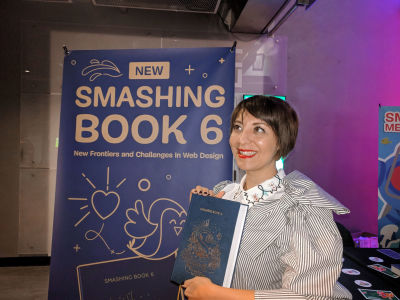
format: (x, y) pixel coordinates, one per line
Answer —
(105, 204)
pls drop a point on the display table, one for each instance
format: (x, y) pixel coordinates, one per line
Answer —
(356, 275)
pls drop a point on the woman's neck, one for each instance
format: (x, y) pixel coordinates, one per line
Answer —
(253, 178)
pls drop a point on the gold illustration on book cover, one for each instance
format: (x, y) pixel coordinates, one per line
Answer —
(202, 255)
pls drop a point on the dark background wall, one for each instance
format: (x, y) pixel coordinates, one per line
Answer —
(9, 126)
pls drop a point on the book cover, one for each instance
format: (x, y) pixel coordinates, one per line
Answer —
(210, 240)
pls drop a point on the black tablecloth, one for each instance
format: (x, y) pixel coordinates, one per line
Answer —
(359, 259)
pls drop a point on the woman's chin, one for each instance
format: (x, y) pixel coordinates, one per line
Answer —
(243, 165)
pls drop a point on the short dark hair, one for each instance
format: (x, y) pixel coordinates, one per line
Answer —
(278, 114)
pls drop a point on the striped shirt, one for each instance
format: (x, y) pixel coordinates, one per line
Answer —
(291, 247)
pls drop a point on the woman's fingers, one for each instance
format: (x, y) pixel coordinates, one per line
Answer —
(201, 190)
(187, 282)
(198, 288)
(220, 194)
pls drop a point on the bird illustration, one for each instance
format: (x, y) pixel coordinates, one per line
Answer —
(103, 68)
(155, 235)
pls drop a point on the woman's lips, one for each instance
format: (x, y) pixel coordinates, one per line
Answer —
(244, 153)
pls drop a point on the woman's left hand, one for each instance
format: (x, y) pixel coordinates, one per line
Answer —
(199, 288)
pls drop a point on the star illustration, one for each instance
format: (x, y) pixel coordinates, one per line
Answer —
(189, 69)
(221, 60)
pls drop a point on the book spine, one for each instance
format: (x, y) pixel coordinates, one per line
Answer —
(237, 235)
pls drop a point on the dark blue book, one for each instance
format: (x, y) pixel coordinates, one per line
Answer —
(210, 240)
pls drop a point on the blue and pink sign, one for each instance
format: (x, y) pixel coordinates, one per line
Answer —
(389, 177)
(139, 129)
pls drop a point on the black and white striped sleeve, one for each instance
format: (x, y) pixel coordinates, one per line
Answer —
(312, 258)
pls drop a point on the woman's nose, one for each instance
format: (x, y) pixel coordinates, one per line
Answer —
(244, 137)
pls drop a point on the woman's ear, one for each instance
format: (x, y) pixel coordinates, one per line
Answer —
(277, 154)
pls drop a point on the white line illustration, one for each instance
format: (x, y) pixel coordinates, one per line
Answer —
(103, 68)
(104, 204)
(83, 218)
(164, 220)
(123, 180)
(98, 235)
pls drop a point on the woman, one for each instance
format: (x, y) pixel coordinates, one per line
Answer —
(291, 247)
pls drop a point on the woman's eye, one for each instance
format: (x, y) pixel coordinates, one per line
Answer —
(237, 127)
(259, 129)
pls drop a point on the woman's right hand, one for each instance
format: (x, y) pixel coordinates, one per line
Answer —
(201, 190)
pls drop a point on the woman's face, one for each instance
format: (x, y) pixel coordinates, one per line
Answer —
(254, 145)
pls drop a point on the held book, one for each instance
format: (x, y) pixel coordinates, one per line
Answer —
(210, 240)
